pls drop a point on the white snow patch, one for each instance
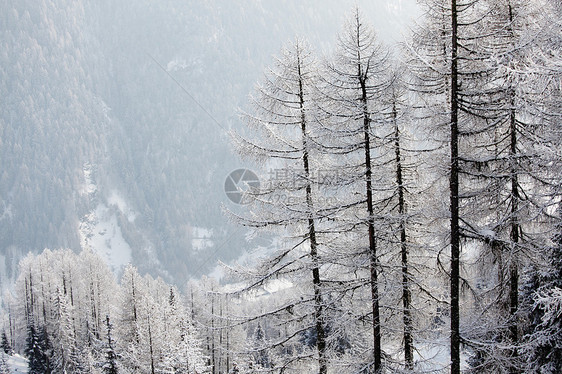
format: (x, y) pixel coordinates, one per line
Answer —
(435, 356)
(117, 200)
(432, 355)
(6, 210)
(101, 232)
(488, 233)
(104, 107)
(269, 289)
(89, 185)
(247, 259)
(194, 64)
(217, 273)
(394, 7)
(17, 364)
(201, 238)
(277, 285)
(177, 65)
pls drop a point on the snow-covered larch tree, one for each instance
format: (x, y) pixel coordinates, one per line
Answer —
(283, 125)
(503, 155)
(445, 63)
(351, 113)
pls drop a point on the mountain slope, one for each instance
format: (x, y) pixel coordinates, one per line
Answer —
(134, 99)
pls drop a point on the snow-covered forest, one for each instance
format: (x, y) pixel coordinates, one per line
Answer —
(69, 314)
(408, 219)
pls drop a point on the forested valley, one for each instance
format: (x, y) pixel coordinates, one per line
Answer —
(407, 219)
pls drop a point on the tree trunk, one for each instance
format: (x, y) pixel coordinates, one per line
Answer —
(406, 293)
(514, 268)
(454, 200)
(227, 339)
(152, 370)
(316, 282)
(377, 357)
(213, 358)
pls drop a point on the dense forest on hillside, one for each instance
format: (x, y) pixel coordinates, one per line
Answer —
(410, 195)
(114, 121)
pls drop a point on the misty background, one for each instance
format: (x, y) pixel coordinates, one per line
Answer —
(114, 120)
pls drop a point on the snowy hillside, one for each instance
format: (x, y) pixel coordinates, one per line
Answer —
(17, 364)
(113, 102)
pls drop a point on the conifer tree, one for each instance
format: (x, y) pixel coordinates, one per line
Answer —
(4, 368)
(543, 346)
(110, 365)
(65, 355)
(261, 356)
(38, 350)
(5, 345)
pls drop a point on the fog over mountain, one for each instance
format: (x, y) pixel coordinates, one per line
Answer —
(114, 120)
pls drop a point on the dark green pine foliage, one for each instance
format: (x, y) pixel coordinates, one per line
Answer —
(545, 320)
(110, 365)
(37, 350)
(261, 356)
(4, 368)
(6, 347)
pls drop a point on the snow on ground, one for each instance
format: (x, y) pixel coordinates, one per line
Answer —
(89, 185)
(433, 355)
(101, 232)
(17, 364)
(117, 200)
(6, 211)
(201, 238)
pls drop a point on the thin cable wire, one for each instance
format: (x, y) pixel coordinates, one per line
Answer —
(187, 92)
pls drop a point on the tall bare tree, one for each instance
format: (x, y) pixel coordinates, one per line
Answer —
(283, 122)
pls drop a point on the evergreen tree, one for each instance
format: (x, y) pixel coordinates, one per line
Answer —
(65, 355)
(130, 319)
(544, 339)
(5, 345)
(261, 356)
(110, 365)
(38, 351)
(4, 368)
